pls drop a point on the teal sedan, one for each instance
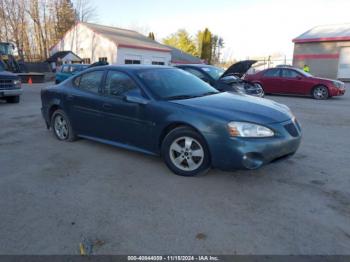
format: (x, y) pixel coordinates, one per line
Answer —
(171, 113)
(69, 70)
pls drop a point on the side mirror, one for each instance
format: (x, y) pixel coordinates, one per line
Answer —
(136, 99)
(299, 77)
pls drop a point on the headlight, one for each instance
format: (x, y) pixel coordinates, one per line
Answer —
(240, 87)
(337, 84)
(17, 83)
(243, 129)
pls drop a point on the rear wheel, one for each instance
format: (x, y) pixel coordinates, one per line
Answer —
(13, 99)
(185, 152)
(61, 126)
(320, 93)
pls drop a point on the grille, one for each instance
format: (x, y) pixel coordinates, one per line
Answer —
(292, 130)
(6, 84)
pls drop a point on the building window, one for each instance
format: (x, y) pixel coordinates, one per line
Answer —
(86, 61)
(157, 63)
(103, 59)
(132, 62)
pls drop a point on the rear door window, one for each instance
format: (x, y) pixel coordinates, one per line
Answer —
(272, 73)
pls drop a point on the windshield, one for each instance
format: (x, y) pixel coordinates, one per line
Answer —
(78, 68)
(303, 72)
(174, 84)
(214, 72)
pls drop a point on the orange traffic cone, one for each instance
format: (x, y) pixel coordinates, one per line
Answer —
(30, 81)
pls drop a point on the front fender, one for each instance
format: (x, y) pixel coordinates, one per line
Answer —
(208, 127)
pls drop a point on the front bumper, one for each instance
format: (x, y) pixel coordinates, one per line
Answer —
(340, 92)
(251, 153)
(11, 92)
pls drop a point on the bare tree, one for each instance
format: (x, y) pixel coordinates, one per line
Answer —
(85, 10)
(4, 27)
(36, 25)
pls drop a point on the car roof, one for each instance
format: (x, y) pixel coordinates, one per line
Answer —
(282, 67)
(132, 67)
(75, 65)
(286, 67)
(194, 65)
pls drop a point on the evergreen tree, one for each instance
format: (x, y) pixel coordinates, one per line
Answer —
(66, 16)
(151, 36)
(206, 53)
(199, 40)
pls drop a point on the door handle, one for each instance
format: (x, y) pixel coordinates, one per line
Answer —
(107, 106)
(71, 96)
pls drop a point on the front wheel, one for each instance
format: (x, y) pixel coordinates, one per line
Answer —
(260, 90)
(185, 152)
(320, 93)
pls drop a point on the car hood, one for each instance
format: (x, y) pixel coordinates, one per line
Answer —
(237, 107)
(324, 79)
(7, 75)
(239, 68)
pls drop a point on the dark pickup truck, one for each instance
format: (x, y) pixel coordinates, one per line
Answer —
(10, 87)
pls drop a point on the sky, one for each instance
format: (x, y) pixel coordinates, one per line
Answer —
(249, 28)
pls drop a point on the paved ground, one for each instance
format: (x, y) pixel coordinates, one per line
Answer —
(54, 194)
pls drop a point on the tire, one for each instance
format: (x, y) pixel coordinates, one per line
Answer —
(61, 126)
(320, 92)
(178, 149)
(13, 99)
(262, 89)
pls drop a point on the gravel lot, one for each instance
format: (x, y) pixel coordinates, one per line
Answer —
(54, 194)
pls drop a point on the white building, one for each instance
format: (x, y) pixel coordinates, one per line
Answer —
(93, 43)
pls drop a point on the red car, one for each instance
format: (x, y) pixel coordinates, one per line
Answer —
(289, 80)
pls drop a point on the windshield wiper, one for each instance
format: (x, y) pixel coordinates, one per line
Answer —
(191, 96)
(179, 97)
(209, 93)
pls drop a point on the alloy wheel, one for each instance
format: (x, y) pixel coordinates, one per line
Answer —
(320, 92)
(186, 153)
(61, 127)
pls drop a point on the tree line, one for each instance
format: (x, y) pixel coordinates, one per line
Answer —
(36, 25)
(204, 44)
